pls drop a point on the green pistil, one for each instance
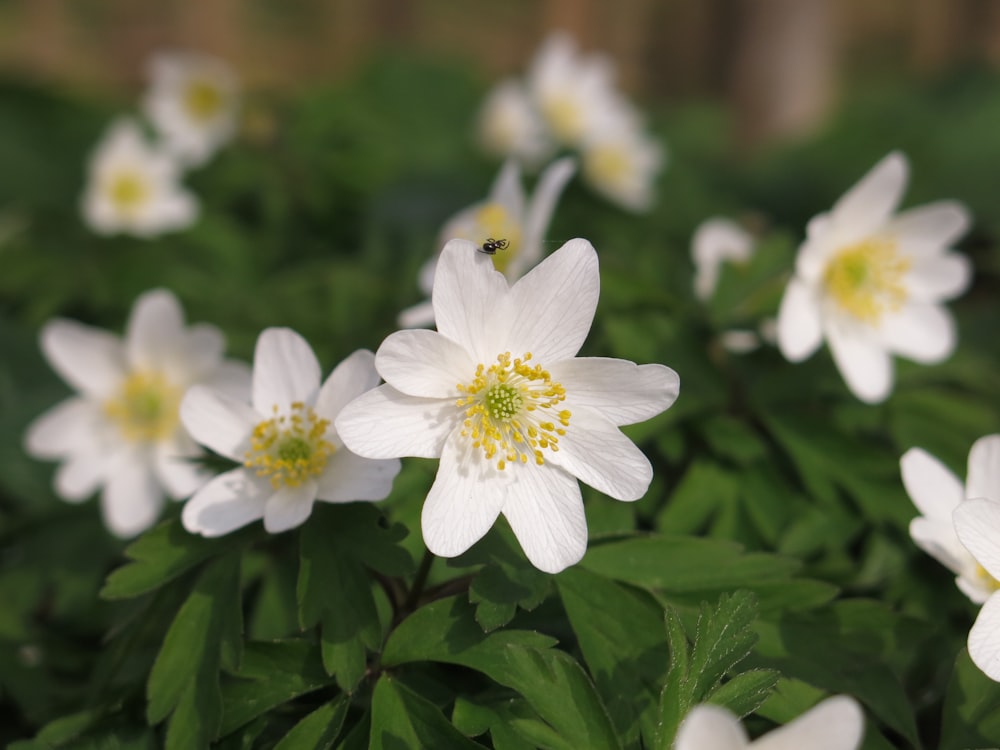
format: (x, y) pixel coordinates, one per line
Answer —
(294, 449)
(503, 401)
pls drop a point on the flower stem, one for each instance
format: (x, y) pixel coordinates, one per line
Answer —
(418, 582)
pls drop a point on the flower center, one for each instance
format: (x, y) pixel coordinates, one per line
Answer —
(607, 164)
(289, 448)
(146, 407)
(128, 190)
(866, 279)
(493, 220)
(564, 117)
(202, 100)
(511, 411)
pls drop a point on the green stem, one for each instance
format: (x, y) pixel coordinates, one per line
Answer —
(418, 582)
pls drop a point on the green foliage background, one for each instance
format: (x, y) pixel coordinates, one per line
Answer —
(769, 564)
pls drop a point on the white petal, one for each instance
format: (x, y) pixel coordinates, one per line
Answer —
(923, 332)
(931, 485)
(154, 329)
(233, 378)
(471, 300)
(933, 227)
(717, 240)
(939, 277)
(596, 452)
(974, 587)
(289, 507)
(707, 726)
(199, 353)
(179, 475)
(865, 366)
(983, 477)
(229, 501)
(285, 370)
(553, 305)
(539, 215)
(977, 523)
(984, 639)
(622, 391)
(464, 500)
(864, 208)
(91, 360)
(424, 363)
(68, 427)
(545, 511)
(507, 190)
(799, 330)
(132, 498)
(939, 540)
(384, 423)
(834, 724)
(81, 474)
(352, 377)
(218, 421)
(418, 316)
(348, 477)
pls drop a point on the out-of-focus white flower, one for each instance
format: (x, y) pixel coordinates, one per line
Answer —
(834, 724)
(622, 164)
(505, 214)
(977, 521)
(133, 187)
(871, 282)
(289, 452)
(122, 432)
(193, 101)
(498, 394)
(937, 492)
(716, 241)
(510, 126)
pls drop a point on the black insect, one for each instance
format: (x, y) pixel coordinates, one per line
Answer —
(491, 246)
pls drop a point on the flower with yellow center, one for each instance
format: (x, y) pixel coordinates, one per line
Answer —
(871, 282)
(193, 102)
(505, 214)
(121, 433)
(622, 163)
(498, 393)
(284, 440)
(509, 126)
(134, 188)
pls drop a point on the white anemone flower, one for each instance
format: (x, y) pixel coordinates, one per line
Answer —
(515, 417)
(836, 723)
(571, 91)
(937, 492)
(977, 522)
(717, 241)
(122, 432)
(510, 126)
(133, 187)
(289, 453)
(871, 282)
(193, 102)
(507, 215)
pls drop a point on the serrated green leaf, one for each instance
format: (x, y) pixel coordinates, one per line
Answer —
(359, 529)
(511, 722)
(402, 719)
(271, 674)
(702, 489)
(319, 729)
(163, 553)
(723, 640)
(745, 692)
(196, 639)
(675, 699)
(971, 714)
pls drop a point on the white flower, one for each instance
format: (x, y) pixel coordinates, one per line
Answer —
(133, 187)
(503, 215)
(871, 282)
(497, 393)
(510, 126)
(834, 724)
(289, 452)
(977, 521)
(622, 164)
(937, 492)
(193, 101)
(571, 91)
(123, 432)
(716, 241)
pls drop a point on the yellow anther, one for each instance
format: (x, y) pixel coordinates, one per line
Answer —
(289, 448)
(866, 279)
(202, 100)
(145, 407)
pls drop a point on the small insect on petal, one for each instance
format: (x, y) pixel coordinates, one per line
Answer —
(491, 246)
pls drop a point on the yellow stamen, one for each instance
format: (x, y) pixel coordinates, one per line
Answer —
(128, 190)
(607, 164)
(290, 448)
(145, 408)
(866, 279)
(511, 411)
(202, 100)
(564, 117)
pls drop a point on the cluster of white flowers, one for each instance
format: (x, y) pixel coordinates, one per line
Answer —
(960, 526)
(569, 101)
(133, 184)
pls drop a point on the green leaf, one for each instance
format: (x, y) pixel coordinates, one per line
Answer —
(163, 553)
(747, 691)
(620, 634)
(511, 722)
(319, 729)
(199, 638)
(402, 719)
(270, 674)
(971, 715)
(704, 487)
(195, 720)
